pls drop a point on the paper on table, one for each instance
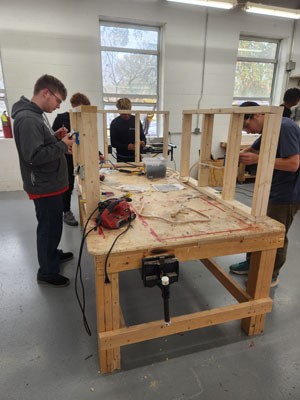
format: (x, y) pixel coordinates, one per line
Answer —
(132, 188)
(168, 187)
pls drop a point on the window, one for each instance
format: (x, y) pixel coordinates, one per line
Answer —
(130, 65)
(255, 70)
(3, 106)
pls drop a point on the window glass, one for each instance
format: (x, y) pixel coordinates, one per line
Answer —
(255, 49)
(255, 70)
(129, 38)
(1, 77)
(130, 60)
(3, 106)
(253, 79)
(125, 73)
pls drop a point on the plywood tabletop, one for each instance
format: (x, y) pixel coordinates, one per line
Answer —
(215, 222)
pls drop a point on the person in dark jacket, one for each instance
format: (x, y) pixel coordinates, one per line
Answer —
(122, 133)
(44, 172)
(63, 120)
(291, 98)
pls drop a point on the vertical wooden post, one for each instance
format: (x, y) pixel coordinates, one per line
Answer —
(232, 156)
(186, 144)
(88, 136)
(258, 286)
(166, 134)
(205, 149)
(105, 142)
(266, 161)
(108, 314)
(74, 148)
(137, 137)
(78, 150)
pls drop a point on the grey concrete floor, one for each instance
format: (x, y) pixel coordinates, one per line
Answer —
(46, 354)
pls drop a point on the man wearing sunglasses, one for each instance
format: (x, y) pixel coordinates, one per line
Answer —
(44, 172)
(284, 200)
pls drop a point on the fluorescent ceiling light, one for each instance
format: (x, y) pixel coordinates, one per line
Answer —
(271, 10)
(227, 5)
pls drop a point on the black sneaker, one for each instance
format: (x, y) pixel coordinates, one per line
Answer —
(64, 257)
(55, 281)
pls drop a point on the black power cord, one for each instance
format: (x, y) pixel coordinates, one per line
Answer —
(79, 273)
(112, 246)
(79, 270)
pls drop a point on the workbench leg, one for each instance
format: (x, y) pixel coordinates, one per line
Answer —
(80, 205)
(258, 286)
(108, 318)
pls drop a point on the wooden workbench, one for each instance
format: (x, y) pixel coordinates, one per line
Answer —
(228, 227)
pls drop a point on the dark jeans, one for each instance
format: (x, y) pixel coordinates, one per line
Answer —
(49, 212)
(283, 213)
(67, 195)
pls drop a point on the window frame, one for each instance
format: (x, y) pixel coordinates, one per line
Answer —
(157, 53)
(4, 98)
(273, 61)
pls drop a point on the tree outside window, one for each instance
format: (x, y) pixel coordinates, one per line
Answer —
(130, 64)
(255, 70)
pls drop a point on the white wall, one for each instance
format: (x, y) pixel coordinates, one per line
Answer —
(10, 171)
(62, 38)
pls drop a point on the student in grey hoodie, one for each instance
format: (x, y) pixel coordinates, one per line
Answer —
(44, 172)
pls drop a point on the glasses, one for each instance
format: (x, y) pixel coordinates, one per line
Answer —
(59, 101)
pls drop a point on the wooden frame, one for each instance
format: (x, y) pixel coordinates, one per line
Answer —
(232, 228)
(271, 129)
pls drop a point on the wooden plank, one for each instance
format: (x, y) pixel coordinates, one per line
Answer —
(74, 147)
(258, 286)
(188, 322)
(100, 304)
(89, 139)
(116, 316)
(137, 137)
(237, 110)
(105, 141)
(205, 149)
(166, 134)
(80, 209)
(133, 260)
(185, 145)
(230, 284)
(232, 156)
(108, 313)
(76, 125)
(122, 319)
(216, 175)
(114, 111)
(234, 205)
(265, 166)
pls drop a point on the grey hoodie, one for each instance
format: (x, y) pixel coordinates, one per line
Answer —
(42, 160)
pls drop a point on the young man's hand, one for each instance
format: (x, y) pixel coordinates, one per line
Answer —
(61, 132)
(69, 141)
(131, 146)
(248, 158)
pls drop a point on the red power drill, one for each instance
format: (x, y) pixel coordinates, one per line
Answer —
(114, 213)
